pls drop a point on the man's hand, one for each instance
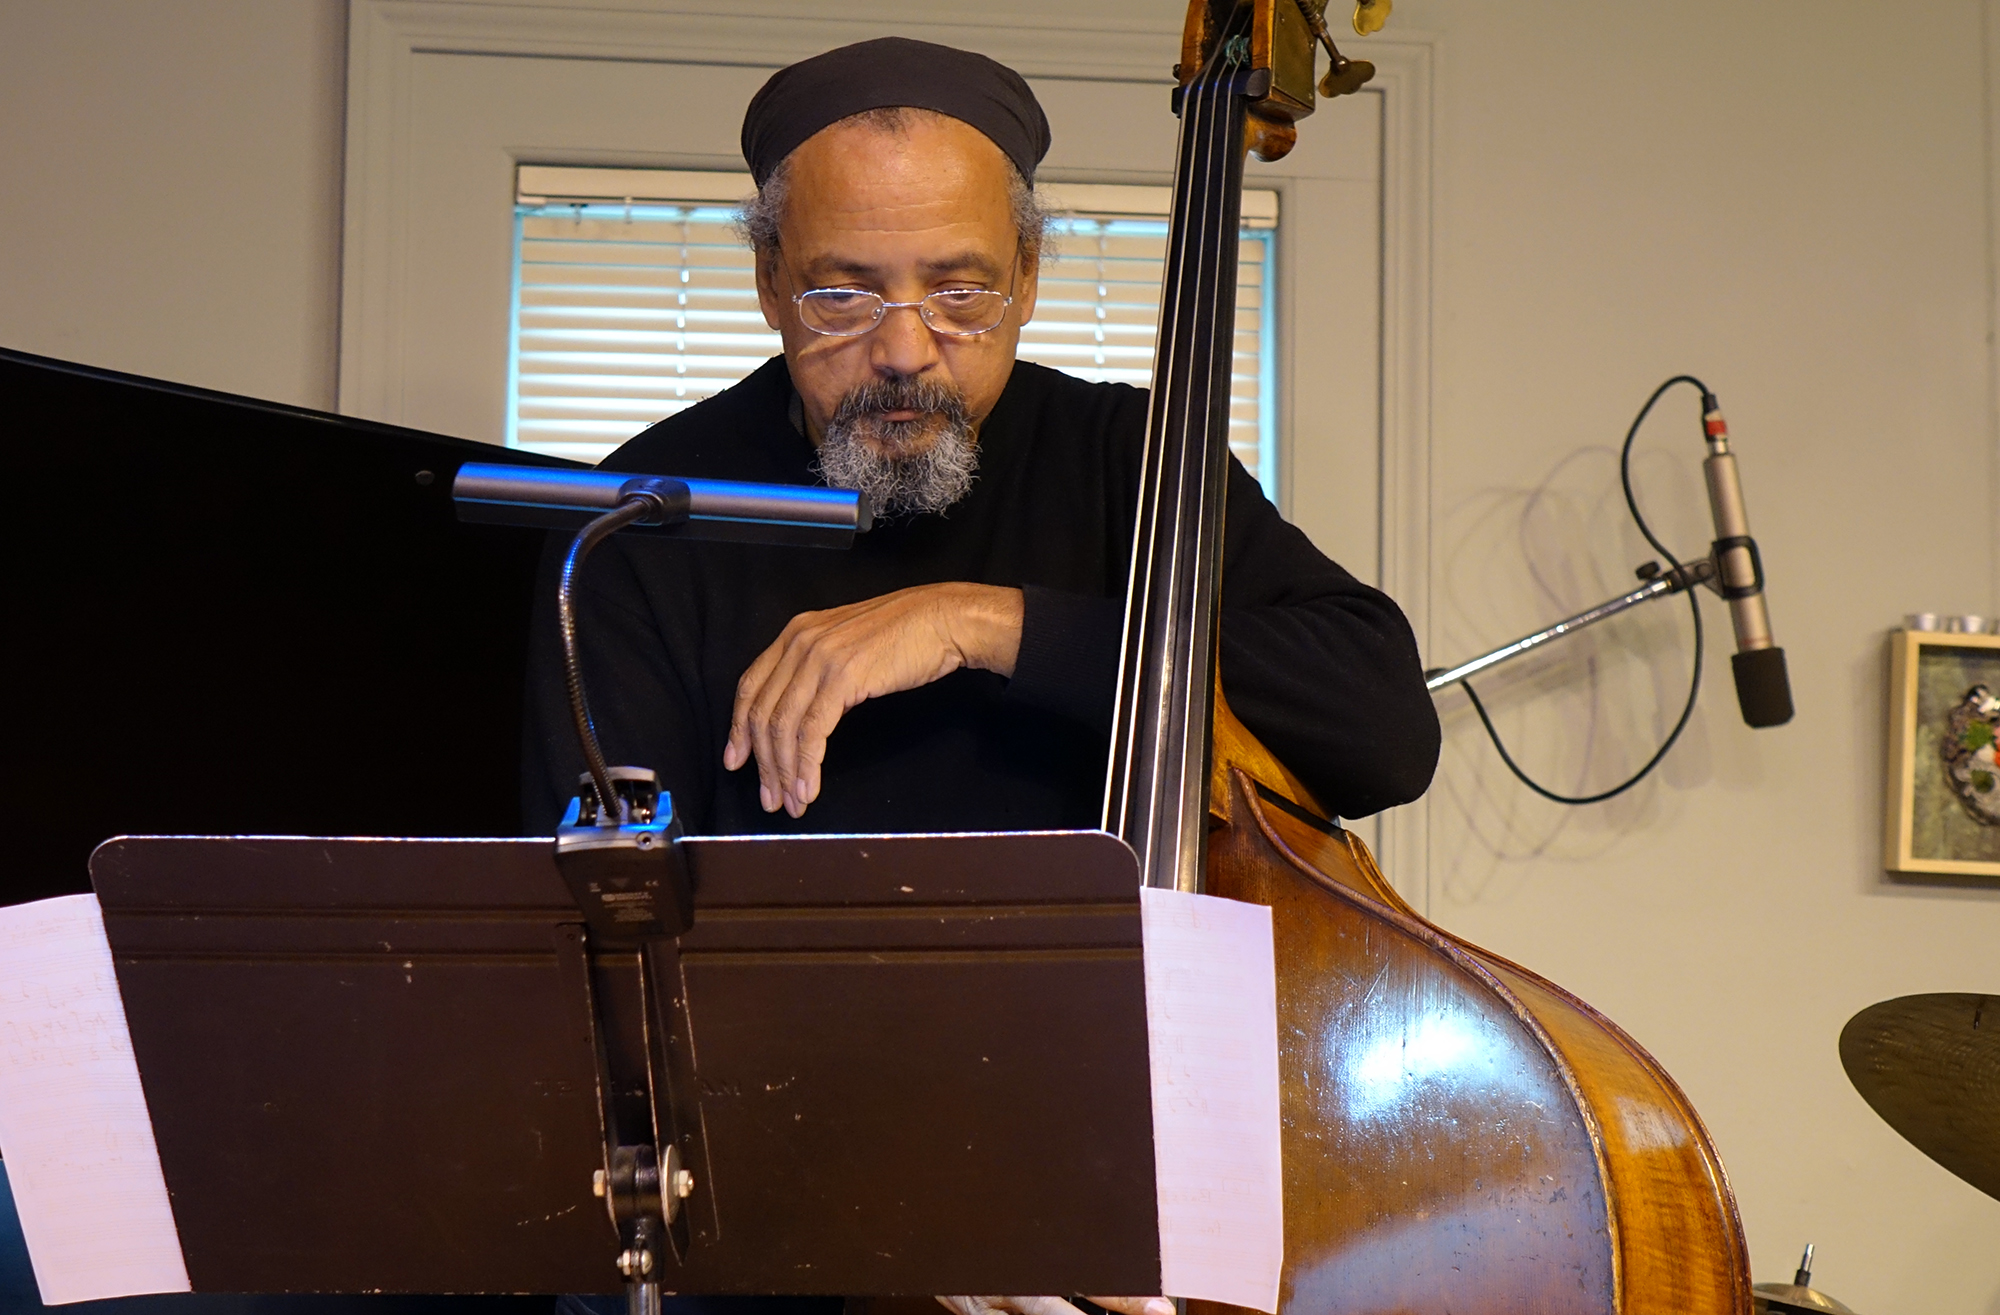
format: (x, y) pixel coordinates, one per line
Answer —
(1053, 1305)
(824, 663)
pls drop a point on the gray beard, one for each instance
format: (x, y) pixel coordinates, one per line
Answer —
(871, 455)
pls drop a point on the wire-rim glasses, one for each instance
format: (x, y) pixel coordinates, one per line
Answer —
(851, 312)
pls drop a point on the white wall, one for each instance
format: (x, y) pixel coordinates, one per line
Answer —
(170, 189)
(1788, 198)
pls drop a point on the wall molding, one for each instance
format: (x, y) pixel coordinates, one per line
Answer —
(1989, 31)
(769, 35)
(1406, 74)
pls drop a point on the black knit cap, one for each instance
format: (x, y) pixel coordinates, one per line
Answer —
(870, 75)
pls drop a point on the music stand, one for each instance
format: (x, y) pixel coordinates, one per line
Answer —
(898, 1064)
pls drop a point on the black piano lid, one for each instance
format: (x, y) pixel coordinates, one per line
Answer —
(238, 616)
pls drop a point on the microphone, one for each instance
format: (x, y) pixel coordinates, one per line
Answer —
(1763, 690)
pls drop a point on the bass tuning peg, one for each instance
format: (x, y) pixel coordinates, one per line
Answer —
(1369, 16)
(1345, 77)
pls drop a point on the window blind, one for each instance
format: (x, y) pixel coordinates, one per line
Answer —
(634, 299)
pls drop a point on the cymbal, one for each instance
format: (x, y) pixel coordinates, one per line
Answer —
(1930, 1066)
(1797, 1297)
(1788, 1298)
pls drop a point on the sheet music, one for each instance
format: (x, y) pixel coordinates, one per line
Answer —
(1212, 1020)
(73, 1125)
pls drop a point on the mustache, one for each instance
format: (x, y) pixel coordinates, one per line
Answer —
(923, 464)
(927, 397)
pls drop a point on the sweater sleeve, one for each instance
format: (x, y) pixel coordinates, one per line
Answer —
(1068, 662)
(1322, 668)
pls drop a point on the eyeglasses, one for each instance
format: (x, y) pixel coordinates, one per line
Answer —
(851, 312)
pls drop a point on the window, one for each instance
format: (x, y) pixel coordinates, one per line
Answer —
(633, 299)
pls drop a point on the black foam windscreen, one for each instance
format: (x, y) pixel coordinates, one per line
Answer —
(1763, 689)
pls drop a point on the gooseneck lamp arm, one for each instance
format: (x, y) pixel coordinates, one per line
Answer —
(638, 507)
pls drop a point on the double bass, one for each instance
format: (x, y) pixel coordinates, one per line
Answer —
(1458, 1132)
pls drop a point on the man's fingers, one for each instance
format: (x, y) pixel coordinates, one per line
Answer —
(799, 718)
(1016, 1305)
(802, 750)
(802, 700)
(823, 687)
(742, 741)
(972, 1305)
(824, 663)
(764, 713)
(834, 699)
(1136, 1305)
(1042, 1306)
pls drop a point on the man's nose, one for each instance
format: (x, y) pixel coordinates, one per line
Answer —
(902, 343)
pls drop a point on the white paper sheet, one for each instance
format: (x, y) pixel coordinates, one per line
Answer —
(73, 1124)
(1212, 1020)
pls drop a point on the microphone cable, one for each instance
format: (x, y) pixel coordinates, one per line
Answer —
(1694, 609)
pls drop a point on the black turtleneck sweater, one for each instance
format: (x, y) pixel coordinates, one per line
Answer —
(1322, 668)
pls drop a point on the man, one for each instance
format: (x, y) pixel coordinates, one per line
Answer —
(954, 670)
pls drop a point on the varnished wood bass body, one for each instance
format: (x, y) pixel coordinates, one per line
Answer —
(1459, 1134)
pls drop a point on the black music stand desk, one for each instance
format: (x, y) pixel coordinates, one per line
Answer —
(919, 1063)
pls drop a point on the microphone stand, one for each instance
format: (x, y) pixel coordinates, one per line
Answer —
(1659, 584)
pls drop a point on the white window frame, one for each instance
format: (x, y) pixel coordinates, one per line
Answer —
(542, 186)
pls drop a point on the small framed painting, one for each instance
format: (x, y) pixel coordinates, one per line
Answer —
(1944, 784)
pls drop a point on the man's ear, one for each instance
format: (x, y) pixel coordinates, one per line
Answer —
(769, 299)
(1030, 283)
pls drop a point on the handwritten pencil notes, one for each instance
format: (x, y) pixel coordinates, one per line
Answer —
(1212, 1019)
(73, 1125)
